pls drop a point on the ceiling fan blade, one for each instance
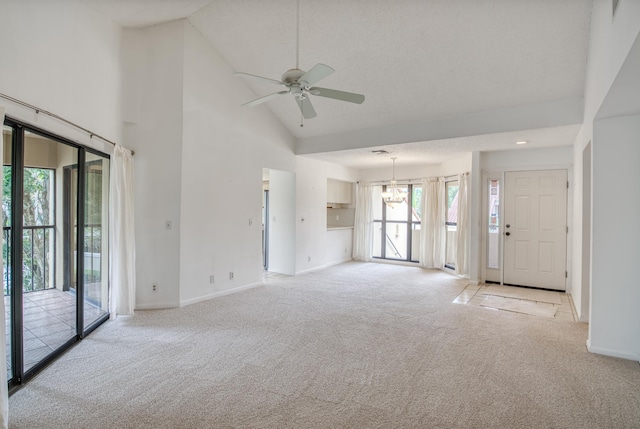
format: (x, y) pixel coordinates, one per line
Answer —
(306, 108)
(317, 72)
(259, 77)
(351, 97)
(265, 98)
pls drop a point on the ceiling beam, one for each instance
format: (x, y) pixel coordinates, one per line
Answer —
(569, 111)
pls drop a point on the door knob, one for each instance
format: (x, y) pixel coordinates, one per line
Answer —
(508, 225)
(507, 233)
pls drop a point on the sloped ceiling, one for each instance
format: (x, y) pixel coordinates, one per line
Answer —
(425, 67)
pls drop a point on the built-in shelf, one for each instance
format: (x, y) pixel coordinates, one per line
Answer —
(339, 192)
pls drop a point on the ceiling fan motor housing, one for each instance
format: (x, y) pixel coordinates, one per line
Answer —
(291, 76)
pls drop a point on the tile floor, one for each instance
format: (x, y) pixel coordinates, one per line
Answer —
(266, 275)
(479, 296)
(49, 322)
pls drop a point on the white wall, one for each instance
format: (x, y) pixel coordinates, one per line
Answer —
(225, 148)
(62, 57)
(313, 240)
(528, 158)
(403, 172)
(199, 160)
(611, 40)
(455, 165)
(282, 222)
(615, 295)
(156, 137)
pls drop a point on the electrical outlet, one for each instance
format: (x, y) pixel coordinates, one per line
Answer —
(230, 275)
(154, 287)
(212, 279)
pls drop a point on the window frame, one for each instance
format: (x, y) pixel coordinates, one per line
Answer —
(408, 221)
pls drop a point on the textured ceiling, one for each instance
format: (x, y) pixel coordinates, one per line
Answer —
(437, 151)
(415, 60)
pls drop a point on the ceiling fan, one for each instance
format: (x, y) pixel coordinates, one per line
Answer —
(300, 83)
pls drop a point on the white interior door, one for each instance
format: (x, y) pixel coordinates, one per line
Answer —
(535, 232)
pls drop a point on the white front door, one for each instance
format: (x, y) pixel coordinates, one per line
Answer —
(535, 232)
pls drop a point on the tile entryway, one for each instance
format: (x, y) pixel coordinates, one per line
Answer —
(534, 302)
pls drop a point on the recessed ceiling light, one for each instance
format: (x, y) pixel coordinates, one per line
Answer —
(522, 142)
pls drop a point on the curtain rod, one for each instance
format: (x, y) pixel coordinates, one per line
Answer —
(397, 180)
(374, 182)
(60, 118)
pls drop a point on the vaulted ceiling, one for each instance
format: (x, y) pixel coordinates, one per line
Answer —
(440, 76)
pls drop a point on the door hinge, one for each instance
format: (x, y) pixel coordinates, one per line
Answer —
(566, 274)
(567, 184)
(567, 230)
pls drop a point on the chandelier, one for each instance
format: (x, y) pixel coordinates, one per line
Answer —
(393, 195)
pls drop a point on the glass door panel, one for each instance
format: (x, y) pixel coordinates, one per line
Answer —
(96, 243)
(7, 137)
(493, 230)
(451, 190)
(48, 310)
(396, 240)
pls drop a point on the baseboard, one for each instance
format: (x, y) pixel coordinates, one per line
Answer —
(310, 270)
(474, 282)
(159, 306)
(219, 294)
(613, 353)
(338, 262)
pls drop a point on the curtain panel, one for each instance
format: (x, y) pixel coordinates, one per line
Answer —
(432, 239)
(122, 241)
(462, 234)
(363, 228)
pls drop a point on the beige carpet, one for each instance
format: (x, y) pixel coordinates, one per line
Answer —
(353, 346)
(524, 293)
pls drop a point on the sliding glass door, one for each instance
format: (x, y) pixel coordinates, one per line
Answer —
(55, 266)
(397, 226)
(96, 239)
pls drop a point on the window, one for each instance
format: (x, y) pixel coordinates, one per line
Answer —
(397, 226)
(451, 194)
(493, 232)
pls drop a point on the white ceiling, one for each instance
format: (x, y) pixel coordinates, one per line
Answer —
(416, 61)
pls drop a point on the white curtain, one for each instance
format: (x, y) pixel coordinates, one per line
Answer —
(432, 238)
(363, 228)
(462, 235)
(122, 241)
(4, 391)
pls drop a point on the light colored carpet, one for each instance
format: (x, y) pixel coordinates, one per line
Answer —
(519, 306)
(353, 346)
(524, 293)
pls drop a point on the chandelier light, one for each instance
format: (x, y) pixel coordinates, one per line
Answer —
(393, 195)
